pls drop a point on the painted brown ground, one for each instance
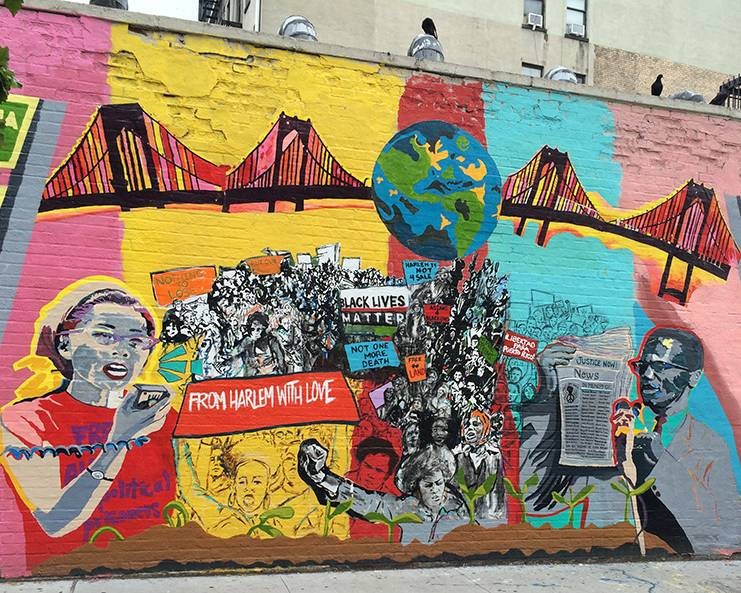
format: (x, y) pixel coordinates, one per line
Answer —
(192, 548)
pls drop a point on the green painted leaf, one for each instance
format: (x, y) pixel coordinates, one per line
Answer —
(343, 507)
(407, 518)
(583, 493)
(619, 488)
(643, 487)
(4, 56)
(13, 6)
(486, 487)
(175, 514)
(532, 481)
(377, 518)
(270, 530)
(105, 529)
(277, 513)
(511, 489)
(558, 498)
(460, 479)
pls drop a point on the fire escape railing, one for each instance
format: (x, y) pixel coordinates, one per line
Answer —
(729, 93)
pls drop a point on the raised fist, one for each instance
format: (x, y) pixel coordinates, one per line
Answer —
(312, 461)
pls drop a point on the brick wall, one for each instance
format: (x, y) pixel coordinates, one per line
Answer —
(352, 310)
(632, 72)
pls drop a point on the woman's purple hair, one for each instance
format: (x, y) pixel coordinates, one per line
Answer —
(49, 340)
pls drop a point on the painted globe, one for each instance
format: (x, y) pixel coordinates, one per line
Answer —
(437, 190)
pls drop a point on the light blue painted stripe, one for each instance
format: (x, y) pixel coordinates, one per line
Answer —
(21, 203)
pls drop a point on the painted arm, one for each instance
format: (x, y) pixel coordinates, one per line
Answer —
(541, 433)
(210, 512)
(61, 510)
(329, 487)
(278, 354)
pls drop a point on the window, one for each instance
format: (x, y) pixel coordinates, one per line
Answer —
(535, 6)
(581, 78)
(532, 70)
(232, 11)
(576, 14)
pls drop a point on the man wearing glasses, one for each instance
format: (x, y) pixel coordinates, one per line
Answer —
(694, 504)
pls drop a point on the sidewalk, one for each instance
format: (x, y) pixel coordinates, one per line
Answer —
(723, 576)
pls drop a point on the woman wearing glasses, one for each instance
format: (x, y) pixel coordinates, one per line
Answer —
(90, 454)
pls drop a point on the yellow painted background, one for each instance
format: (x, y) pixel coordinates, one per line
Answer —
(220, 99)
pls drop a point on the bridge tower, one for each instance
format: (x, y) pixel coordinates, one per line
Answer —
(559, 160)
(286, 125)
(116, 119)
(687, 233)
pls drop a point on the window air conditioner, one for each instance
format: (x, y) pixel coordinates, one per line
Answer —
(534, 20)
(575, 29)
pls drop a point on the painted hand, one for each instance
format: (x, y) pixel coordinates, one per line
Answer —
(647, 450)
(312, 461)
(622, 418)
(552, 356)
(130, 421)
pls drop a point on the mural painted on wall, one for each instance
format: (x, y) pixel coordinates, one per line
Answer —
(128, 159)
(293, 355)
(688, 225)
(437, 190)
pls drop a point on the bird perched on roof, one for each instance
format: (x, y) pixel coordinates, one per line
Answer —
(657, 86)
(429, 27)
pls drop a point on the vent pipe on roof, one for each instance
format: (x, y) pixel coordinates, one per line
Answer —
(298, 27)
(426, 47)
(562, 74)
(688, 96)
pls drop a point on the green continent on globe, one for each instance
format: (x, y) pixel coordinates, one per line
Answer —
(437, 190)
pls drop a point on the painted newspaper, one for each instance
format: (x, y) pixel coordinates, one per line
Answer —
(588, 386)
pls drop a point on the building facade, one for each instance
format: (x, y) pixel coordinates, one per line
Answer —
(264, 307)
(621, 45)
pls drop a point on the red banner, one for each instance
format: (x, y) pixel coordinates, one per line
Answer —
(437, 313)
(519, 346)
(228, 406)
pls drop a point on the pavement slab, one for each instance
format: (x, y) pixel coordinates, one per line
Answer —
(706, 576)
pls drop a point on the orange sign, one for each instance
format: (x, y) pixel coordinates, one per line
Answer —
(265, 265)
(182, 283)
(416, 368)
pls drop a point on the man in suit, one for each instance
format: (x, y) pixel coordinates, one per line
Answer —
(694, 504)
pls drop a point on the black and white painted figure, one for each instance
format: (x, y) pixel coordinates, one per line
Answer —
(428, 493)
(479, 456)
(260, 351)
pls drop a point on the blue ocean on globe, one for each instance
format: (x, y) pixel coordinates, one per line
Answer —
(437, 190)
